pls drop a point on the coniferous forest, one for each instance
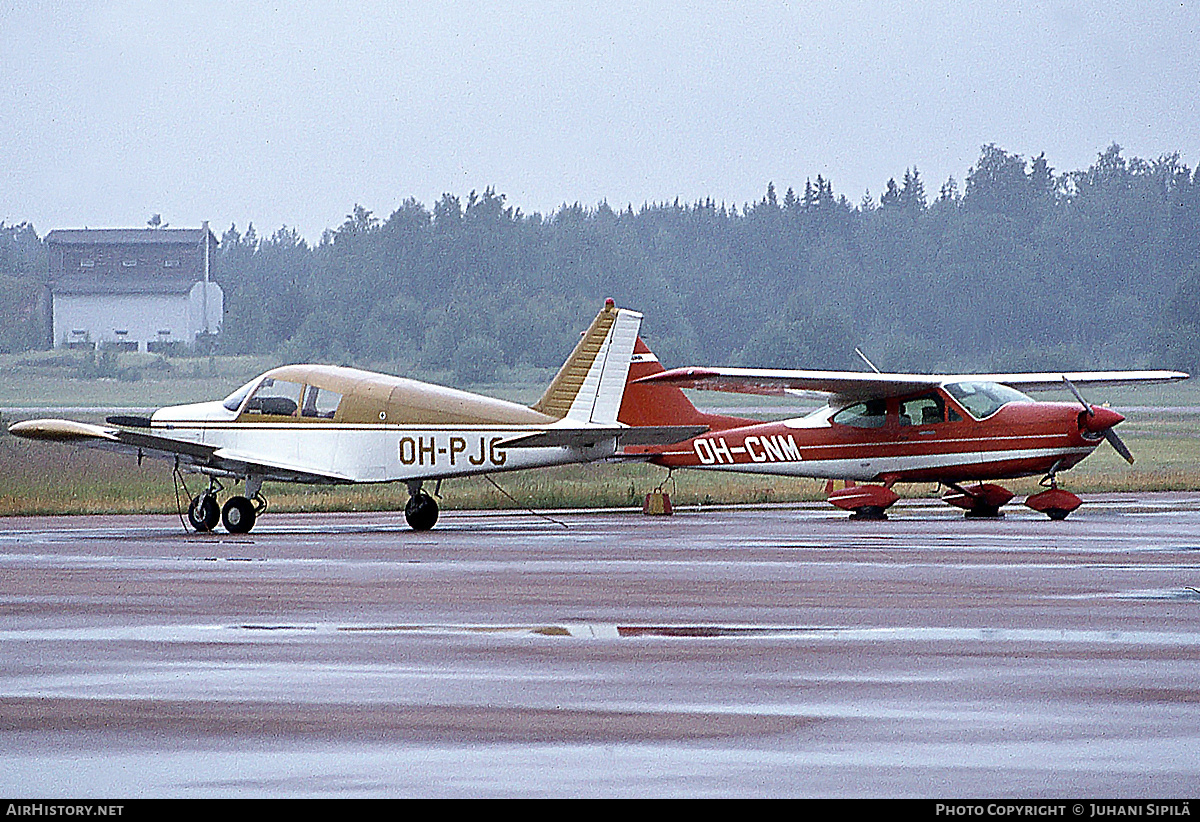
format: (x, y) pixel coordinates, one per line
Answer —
(1019, 267)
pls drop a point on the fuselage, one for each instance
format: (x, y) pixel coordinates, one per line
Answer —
(931, 437)
(305, 423)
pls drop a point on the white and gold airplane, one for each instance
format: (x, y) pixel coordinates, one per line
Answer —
(325, 424)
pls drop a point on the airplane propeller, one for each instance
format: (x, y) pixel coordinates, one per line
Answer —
(1101, 421)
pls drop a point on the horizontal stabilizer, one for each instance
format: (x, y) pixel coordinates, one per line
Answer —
(660, 434)
(587, 437)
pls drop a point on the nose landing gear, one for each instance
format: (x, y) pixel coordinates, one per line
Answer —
(1053, 502)
(203, 513)
(238, 515)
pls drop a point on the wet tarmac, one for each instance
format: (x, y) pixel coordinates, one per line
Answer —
(781, 651)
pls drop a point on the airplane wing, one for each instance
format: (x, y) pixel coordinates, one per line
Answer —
(108, 438)
(217, 460)
(862, 385)
(1051, 380)
(242, 465)
(780, 381)
(584, 437)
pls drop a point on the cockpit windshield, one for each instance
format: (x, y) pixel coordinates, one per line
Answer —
(278, 397)
(234, 401)
(982, 399)
(275, 398)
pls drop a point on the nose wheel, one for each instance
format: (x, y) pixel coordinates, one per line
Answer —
(203, 513)
(1053, 502)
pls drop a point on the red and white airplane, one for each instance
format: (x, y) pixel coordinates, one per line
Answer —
(959, 430)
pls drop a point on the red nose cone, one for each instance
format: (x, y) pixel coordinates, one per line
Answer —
(1101, 419)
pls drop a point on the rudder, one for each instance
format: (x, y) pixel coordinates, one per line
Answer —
(590, 385)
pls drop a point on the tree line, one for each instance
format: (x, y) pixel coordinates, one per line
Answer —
(1021, 268)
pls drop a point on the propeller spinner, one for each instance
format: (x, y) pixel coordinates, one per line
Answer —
(1101, 420)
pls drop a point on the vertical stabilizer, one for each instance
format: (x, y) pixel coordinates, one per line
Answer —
(650, 404)
(591, 383)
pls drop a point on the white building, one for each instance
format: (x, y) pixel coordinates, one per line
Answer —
(140, 289)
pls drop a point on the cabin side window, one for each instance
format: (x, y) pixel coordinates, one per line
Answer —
(869, 414)
(320, 403)
(928, 409)
(277, 398)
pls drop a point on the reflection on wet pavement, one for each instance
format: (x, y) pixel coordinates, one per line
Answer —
(743, 652)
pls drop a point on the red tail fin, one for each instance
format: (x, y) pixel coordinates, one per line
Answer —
(663, 404)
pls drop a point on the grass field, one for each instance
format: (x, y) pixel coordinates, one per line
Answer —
(42, 478)
(51, 378)
(45, 478)
(54, 378)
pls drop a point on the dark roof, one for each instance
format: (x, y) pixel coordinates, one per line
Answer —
(116, 284)
(148, 236)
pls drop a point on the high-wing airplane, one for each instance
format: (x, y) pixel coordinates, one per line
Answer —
(331, 425)
(959, 430)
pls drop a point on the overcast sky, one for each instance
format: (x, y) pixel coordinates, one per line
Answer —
(291, 113)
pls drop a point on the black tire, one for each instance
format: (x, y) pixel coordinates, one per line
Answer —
(238, 515)
(1057, 514)
(421, 512)
(204, 513)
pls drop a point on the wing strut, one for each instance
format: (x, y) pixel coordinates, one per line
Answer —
(859, 352)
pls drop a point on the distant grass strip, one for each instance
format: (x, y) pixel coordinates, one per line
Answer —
(43, 478)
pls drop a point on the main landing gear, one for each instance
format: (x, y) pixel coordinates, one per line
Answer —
(984, 500)
(863, 501)
(981, 501)
(238, 515)
(421, 511)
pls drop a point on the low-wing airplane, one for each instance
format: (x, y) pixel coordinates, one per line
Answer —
(325, 424)
(959, 430)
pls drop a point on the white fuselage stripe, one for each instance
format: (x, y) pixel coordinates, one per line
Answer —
(377, 453)
(865, 469)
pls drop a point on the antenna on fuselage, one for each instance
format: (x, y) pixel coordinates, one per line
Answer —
(859, 352)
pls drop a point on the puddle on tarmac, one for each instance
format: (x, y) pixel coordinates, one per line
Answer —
(272, 632)
(600, 630)
(605, 630)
